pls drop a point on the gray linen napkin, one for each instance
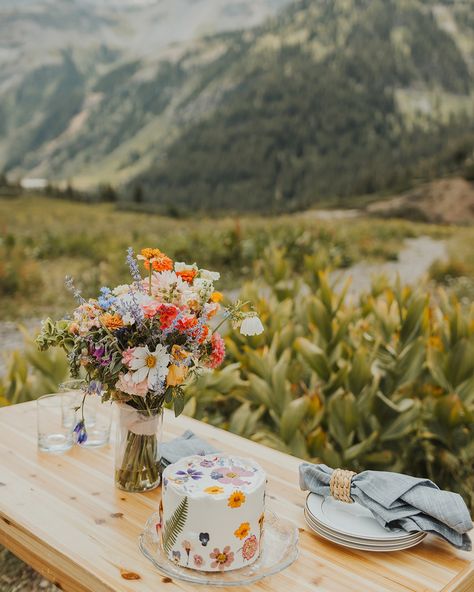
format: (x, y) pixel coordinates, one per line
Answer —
(400, 501)
(185, 445)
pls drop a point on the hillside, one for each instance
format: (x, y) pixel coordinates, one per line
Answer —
(445, 201)
(328, 102)
(75, 73)
(324, 101)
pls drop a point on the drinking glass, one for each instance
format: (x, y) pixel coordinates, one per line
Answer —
(97, 415)
(55, 417)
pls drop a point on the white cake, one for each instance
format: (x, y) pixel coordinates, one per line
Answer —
(212, 512)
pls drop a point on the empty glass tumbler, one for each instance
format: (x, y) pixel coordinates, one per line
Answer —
(97, 415)
(56, 418)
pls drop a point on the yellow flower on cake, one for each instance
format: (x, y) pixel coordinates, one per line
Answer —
(236, 499)
(243, 531)
(214, 490)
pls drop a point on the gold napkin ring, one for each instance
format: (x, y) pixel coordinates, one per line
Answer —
(340, 485)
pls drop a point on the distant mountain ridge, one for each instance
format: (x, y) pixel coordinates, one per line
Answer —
(325, 100)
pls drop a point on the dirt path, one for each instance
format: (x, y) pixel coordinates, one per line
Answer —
(414, 261)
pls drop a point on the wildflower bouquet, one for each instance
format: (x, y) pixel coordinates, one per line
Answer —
(138, 344)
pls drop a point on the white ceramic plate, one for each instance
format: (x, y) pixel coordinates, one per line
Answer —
(374, 543)
(352, 544)
(351, 520)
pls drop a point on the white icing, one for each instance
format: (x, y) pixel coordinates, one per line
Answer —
(225, 504)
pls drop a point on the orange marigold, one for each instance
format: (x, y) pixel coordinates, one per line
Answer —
(216, 297)
(111, 321)
(187, 275)
(156, 258)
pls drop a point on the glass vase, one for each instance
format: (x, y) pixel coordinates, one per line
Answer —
(137, 448)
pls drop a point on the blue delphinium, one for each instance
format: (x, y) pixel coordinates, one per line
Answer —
(80, 431)
(106, 298)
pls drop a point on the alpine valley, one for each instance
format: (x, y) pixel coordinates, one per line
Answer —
(264, 105)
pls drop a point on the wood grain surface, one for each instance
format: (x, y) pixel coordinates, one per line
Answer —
(63, 516)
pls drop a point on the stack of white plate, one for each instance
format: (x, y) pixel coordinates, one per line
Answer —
(354, 526)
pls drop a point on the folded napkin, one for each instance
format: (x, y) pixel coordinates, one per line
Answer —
(400, 502)
(185, 445)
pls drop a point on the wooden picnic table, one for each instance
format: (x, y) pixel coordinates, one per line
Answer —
(63, 516)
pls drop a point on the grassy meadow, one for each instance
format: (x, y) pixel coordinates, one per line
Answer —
(42, 240)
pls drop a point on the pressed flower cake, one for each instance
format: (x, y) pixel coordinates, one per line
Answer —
(212, 512)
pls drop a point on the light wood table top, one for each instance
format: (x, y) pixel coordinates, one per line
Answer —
(63, 516)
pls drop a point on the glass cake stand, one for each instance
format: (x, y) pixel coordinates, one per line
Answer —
(280, 549)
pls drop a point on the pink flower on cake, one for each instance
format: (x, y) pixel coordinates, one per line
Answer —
(233, 475)
(250, 547)
(198, 560)
(222, 558)
(125, 384)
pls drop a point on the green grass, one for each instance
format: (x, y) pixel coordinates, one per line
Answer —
(43, 239)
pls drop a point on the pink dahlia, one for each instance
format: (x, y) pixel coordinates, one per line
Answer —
(218, 351)
(125, 384)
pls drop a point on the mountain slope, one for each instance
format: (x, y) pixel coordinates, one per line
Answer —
(78, 57)
(315, 111)
(328, 99)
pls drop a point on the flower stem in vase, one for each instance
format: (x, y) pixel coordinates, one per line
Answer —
(137, 454)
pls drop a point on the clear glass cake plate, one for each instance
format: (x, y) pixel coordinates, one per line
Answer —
(279, 550)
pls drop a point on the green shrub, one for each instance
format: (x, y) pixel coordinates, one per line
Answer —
(385, 382)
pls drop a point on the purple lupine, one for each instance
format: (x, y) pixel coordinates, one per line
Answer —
(133, 266)
(69, 283)
(94, 387)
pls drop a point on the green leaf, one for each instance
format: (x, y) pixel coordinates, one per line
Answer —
(402, 425)
(292, 417)
(360, 374)
(461, 363)
(175, 525)
(314, 357)
(343, 418)
(413, 319)
(361, 448)
(320, 317)
(178, 402)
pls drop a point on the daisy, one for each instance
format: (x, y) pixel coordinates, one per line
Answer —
(150, 365)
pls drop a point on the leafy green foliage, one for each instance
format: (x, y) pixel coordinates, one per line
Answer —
(384, 382)
(175, 525)
(32, 373)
